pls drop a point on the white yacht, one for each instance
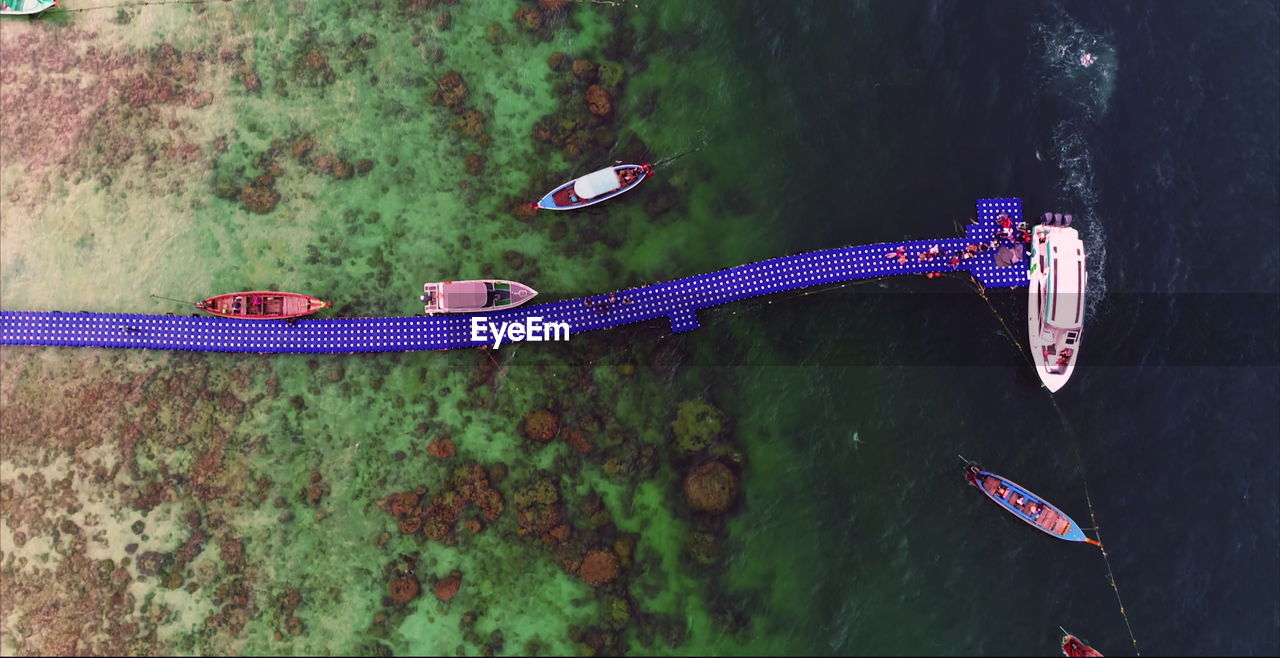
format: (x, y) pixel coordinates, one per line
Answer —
(474, 296)
(1055, 299)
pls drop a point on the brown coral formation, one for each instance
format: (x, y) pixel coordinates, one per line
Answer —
(598, 101)
(469, 485)
(528, 19)
(404, 589)
(583, 68)
(710, 487)
(446, 588)
(541, 426)
(599, 567)
(577, 439)
(441, 448)
(539, 512)
(451, 91)
(260, 199)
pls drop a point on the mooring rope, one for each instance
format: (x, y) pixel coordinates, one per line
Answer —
(665, 161)
(1075, 449)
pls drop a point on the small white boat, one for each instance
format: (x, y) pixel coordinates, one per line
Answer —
(25, 7)
(473, 296)
(595, 187)
(1055, 299)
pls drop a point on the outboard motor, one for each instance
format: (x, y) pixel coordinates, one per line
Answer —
(1066, 220)
(1048, 219)
(1057, 219)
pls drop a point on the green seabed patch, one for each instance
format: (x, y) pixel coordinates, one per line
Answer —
(293, 536)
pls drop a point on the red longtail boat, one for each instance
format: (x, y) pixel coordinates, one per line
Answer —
(262, 305)
(1073, 646)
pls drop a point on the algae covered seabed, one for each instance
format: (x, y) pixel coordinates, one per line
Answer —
(557, 499)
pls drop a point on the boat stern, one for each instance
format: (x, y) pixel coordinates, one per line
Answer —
(431, 298)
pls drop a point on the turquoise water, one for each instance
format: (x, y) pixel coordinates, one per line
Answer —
(243, 504)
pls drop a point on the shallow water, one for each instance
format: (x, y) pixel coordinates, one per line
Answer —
(816, 124)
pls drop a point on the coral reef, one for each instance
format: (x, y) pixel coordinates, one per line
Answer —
(598, 101)
(437, 520)
(710, 487)
(446, 588)
(441, 448)
(403, 589)
(599, 567)
(541, 425)
(697, 424)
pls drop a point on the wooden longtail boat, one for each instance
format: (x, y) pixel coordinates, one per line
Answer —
(473, 296)
(1028, 507)
(1076, 648)
(595, 187)
(262, 305)
(25, 7)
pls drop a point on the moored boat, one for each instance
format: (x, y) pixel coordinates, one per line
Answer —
(1076, 648)
(475, 295)
(25, 7)
(1055, 299)
(595, 187)
(262, 305)
(1030, 508)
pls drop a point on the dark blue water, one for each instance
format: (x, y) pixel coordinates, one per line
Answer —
(884, 120)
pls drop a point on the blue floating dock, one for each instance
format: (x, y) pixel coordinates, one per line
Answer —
(677, 301)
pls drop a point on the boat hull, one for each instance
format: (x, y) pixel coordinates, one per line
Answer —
(1017, 500)
(496, 295)
(262, 305)
(1057, 281)
(1074, 647)
(560, 199)
(25, 7)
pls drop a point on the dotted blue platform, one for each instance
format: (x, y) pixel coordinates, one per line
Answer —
(677, 300)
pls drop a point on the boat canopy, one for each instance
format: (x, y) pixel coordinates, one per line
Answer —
(1067, 270)
(596, 183)
(463, 295)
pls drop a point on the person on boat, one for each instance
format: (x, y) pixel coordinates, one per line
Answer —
(1002, 490)
(628, 175)
(1005, 222)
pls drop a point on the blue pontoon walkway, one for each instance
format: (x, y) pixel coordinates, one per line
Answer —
(678, 300)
